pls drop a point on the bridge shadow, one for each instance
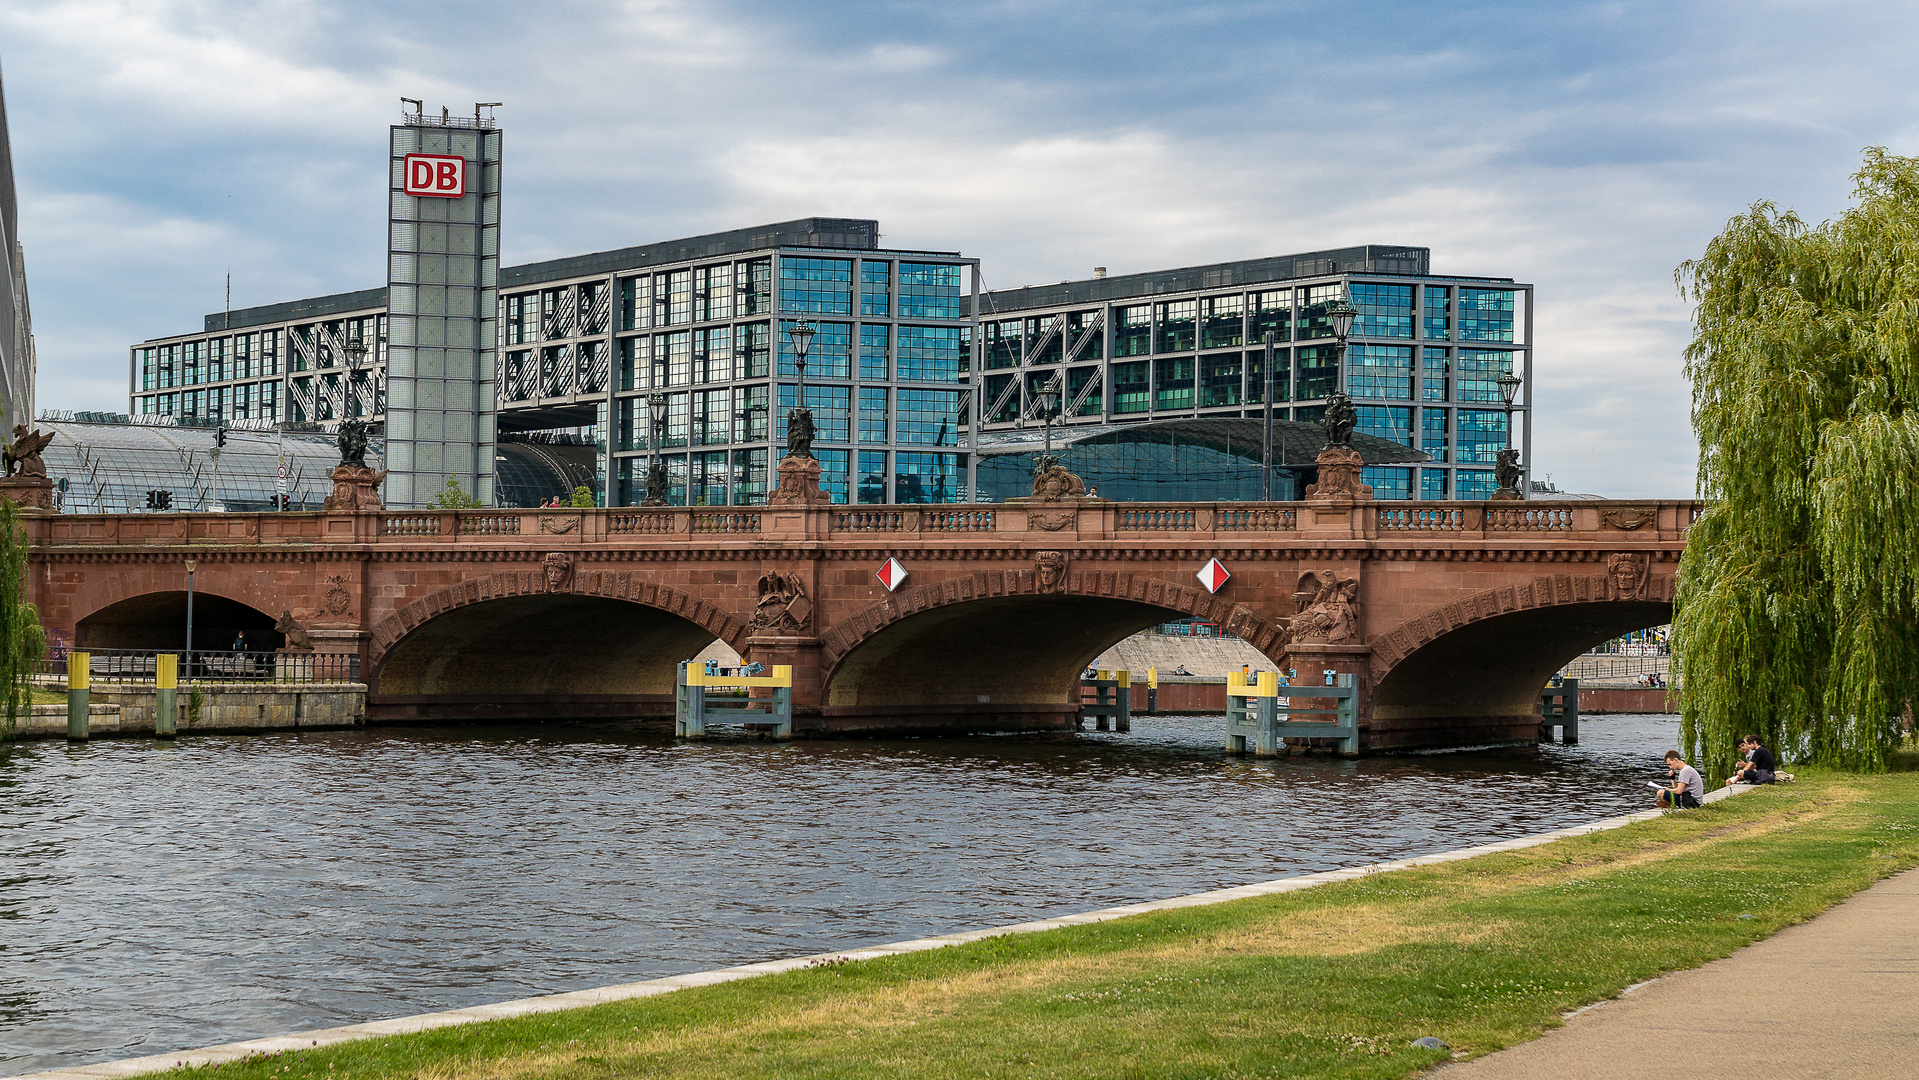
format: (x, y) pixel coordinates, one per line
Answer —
(1002, 663)
(533, 657)
(159, 621)
(1479, 683)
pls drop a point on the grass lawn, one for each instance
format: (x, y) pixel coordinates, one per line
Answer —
(43, 696)
(1329, 982)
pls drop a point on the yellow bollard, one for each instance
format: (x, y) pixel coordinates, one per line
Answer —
(79, 668)
(166, 695)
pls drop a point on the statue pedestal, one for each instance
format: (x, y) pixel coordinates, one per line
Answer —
(799, 482)
(1507, 495)
(1339, 476)
(30, 493)
(355, 487)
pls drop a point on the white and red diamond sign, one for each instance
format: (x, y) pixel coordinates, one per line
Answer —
(1213, 575)
(892, 574)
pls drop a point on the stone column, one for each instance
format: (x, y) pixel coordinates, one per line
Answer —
(1312, 661)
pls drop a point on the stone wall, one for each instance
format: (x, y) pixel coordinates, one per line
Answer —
(128, 710)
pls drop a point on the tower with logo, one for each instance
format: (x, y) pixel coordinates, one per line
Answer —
(443, 268)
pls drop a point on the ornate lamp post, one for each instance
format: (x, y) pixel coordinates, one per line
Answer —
(656, 468)
(189, 658)
(1342, 314)
(1048, 398)
(801, 335)
(1507, 472)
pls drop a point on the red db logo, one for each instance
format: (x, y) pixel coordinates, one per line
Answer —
(435, 174)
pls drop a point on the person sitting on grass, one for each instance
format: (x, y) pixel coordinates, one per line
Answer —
(1688, 787)
(1760, 767)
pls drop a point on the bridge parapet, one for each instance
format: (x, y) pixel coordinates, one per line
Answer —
(1558, 522)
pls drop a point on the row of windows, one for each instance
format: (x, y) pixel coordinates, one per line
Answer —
(738, 477)
(245, 401)
(1389, 482)
(825, 287)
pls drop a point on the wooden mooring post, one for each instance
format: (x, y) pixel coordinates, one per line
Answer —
(695, 708)
(1257, 718)
(1112, 704)
(1559, 707)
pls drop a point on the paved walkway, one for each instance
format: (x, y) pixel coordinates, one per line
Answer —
(1827, 998)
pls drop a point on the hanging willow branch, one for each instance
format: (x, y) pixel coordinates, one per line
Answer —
(1798, 589)
(21, 638)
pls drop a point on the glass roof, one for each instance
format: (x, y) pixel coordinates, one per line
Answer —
(108, 468)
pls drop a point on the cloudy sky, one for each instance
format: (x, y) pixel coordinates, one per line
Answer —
(1585, 147)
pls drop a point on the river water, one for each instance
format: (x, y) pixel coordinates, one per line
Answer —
(158, 896)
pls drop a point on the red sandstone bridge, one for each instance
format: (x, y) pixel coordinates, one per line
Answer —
(1452, 615)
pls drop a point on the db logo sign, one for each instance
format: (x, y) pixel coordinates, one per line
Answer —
(435, 174)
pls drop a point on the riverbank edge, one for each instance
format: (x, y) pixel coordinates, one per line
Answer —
(578, 999)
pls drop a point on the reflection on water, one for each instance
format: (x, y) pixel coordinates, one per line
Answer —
(163, 896)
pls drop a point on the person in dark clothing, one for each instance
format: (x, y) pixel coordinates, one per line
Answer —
(1760, 767)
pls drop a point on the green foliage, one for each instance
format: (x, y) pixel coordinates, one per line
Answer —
(1798, 590)
(583, 497)
(454, 497)
(22, 640)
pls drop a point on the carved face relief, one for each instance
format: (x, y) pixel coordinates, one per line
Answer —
(1628, 573)
(558, 567)
(1050, 568)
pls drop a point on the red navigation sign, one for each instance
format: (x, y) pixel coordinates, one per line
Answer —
(1213, 575)
(892, 574)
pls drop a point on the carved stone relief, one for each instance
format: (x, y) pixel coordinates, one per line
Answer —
(1628, 572)
(783, 607)
(1049, 568)
(1328, 609)
(559, 570)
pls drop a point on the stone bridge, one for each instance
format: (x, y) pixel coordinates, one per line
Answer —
(1452, 615)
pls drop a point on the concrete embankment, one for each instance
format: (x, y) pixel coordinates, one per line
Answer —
(128, 711)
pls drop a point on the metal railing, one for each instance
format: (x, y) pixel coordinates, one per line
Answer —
(136, 666)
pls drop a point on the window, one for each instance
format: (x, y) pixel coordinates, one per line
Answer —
(1223, 322)
(932, 353)
(592, 308)
(750, 349)
(1384, 310)
(1219, 377)
(678, 297)
(1388, 483)
(1434, 374)
(1393, 423)
(929, 417)
(707, 478)
(1432, 433)
(633, 362)
(749, 484)
(873, 343)
(1004, 343)
(872, 477)
(521, 317)
(1256, 376)
(1380, 371)
(753, 286)
(1439, 315)
(556, 313)
(873, 401)
(1272, 312)
(1485, 314)
(1083, 345)
(876, 287)
(1318, 372)
(1176, 326)
(1432, 484)
(929, 478)
(1076, 380)
(1132, 330)
(713, 355)
(713, 418)
(996, 410)
(1474, 484)
(712, 292)
(1479, 372)
(1044, 345)
(832, 413)
(1482, 435)
(1173, 383)
(929, 291)
(636, 306)
(749, 417)
(1313, 320)
(1130, 389)
(829, 357)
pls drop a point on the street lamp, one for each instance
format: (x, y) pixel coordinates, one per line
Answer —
(1048, 399)
(1509, 384)
(1342, 315)
(189, 665)
(1340, 417)
(655, 469)
(801, 335)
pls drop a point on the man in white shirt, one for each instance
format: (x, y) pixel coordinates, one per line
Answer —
(1688, 787)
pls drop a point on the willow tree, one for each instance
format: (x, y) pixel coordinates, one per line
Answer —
(21, 638)
(1796, 598)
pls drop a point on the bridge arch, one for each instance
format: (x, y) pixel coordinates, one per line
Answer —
(1000, 649)
(157, 620)
(1470, 670)
(519, 643)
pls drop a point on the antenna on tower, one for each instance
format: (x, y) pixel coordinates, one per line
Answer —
(226, 320)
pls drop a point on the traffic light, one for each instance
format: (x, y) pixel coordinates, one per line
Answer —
(220, 436)
(159, 500)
